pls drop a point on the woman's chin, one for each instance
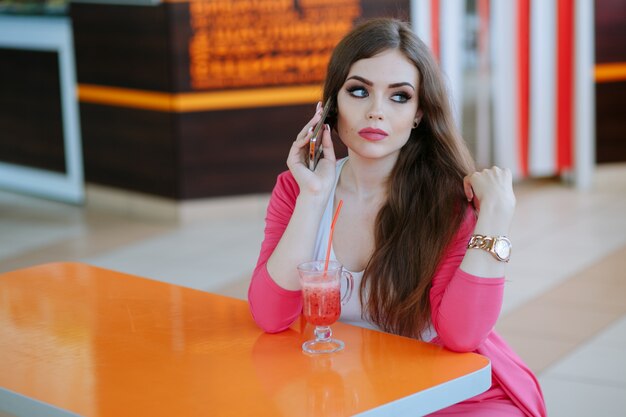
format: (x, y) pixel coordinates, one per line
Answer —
(367, 153)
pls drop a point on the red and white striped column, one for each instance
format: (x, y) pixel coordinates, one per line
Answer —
(542, 66)
(535, 105)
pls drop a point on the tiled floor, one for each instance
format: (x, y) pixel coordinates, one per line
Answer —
(565, 303)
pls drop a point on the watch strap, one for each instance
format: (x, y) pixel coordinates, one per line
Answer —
(487, 243)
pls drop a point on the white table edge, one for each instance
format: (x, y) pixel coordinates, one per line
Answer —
(20, 405)
(437, 397)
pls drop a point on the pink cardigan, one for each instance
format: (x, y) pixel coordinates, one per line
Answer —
(464, 307)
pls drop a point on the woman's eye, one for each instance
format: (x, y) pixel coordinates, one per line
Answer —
(401, 97)
(357, 92)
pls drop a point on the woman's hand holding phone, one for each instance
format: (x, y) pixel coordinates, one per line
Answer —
(315, 146)
(318, 182)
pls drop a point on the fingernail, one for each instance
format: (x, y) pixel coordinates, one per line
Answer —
(327, 127)
(319, 106)
(310, 130)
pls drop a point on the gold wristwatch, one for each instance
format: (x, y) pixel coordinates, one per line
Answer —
(498, 246)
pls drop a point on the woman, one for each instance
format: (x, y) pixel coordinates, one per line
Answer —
(411, 204)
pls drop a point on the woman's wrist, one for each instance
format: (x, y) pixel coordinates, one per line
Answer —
(494, 220)
(312, 200)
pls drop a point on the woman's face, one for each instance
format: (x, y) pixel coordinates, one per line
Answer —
(378, 104)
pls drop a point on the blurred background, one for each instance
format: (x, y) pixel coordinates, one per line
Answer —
(145, 136)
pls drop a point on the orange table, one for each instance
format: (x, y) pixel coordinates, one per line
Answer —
(81, 340)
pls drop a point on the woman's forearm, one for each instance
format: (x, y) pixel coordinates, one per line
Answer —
(492, 221)
(298, 241)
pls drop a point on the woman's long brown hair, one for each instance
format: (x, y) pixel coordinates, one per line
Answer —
(425, 202)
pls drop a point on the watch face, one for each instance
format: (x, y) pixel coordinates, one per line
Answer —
(502, 248)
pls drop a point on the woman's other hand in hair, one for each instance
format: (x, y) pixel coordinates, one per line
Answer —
(318, 182)
(491, 192)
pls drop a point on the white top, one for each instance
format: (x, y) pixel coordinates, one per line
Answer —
(351, 312)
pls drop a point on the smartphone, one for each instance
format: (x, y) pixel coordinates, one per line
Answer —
(315, 145)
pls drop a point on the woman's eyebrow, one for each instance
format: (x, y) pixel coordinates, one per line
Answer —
(396, 85)
(363, 80)
(368, 82)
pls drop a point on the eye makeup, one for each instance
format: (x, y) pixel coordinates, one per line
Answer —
(360, 91)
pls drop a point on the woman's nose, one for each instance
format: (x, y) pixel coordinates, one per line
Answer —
(375, 113)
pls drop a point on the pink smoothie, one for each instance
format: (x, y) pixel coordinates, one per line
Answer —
(321, 302)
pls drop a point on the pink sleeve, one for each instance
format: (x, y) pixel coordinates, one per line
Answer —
(464, 307)
(274, 308)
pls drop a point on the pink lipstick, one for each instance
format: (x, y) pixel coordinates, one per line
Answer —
(372, 134)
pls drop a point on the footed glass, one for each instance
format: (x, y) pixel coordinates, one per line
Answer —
(322, 301)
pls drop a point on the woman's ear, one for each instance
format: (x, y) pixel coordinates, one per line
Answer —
(418, 118)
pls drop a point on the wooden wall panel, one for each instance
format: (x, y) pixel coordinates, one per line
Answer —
(240, 151)
(399, 9)
(180, 33)
(31, 124)
(122, 46)
(126, 47)
(130, 149)
(610, 122)
(610, 31)
(610, 44)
